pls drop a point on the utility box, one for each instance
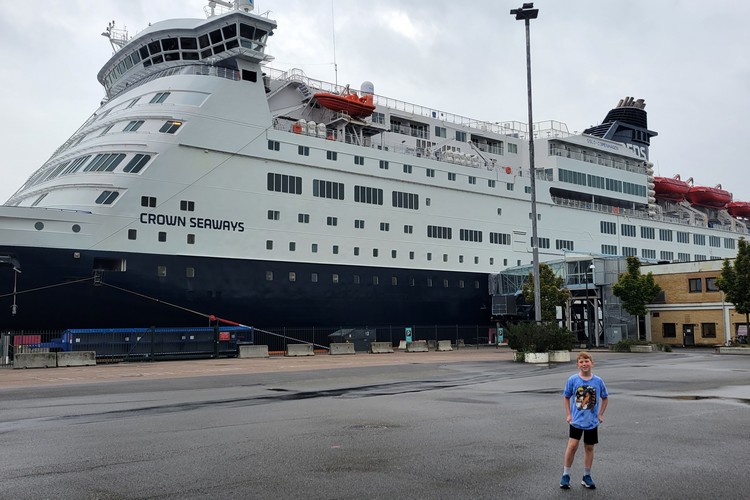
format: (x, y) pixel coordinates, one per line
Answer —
(361, 338)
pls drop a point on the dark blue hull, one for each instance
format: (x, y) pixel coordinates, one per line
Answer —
(57, 290)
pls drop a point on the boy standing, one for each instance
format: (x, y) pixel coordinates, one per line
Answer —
(585, 402)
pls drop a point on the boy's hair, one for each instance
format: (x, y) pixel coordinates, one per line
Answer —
(584, 355)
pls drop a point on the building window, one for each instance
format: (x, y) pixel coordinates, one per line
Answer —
(161, 271)
(384, 164)
(407, 169)
(356, 251)
(170, 127)
(303, 218)
(159, 98)
(269, 275)
(332, 221)
(490, 183)
(132, 233)
(274, 145)
(440, 132)
(608, 227)
(314, 277)
(334, 278)
(359, 224)
(162, 236)
(314, 248)
(269, 244)
(357, 279)
(274, 215)
(708, 330)
(711, 285)
(133, 126)
(694, 285)
(191, 239)
(359, 160)
(187, 206)
(190, 272)
(408, 229)
(292, 246)
(292, 276)
(430, 172)
(668, 330)
(332, 155)
(460, 136)
(335, 249)
(385, 226)
(303, 150)
(451, 176)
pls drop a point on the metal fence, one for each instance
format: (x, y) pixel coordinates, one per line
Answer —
(138, 344)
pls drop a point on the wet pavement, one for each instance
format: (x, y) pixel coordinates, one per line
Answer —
(461, 424)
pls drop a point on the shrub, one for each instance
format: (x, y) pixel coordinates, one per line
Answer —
(543, 337)
(624, 345)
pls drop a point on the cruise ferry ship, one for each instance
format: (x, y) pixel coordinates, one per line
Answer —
(208, 183)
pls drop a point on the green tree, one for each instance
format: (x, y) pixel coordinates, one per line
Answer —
(551, 290)
(735, 280)
(635, 290)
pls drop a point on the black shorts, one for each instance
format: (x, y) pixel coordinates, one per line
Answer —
(590, 436)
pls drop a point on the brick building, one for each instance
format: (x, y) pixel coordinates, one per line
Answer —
(691, 310)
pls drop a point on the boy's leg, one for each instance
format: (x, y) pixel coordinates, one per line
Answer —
(588, 455)
(570, 452)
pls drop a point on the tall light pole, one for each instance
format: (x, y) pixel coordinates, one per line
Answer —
(590, 312)
(526, 13)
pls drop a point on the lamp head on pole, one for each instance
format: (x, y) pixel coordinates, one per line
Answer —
(526, 12)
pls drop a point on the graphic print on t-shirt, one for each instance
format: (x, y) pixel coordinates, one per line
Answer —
(585, 397)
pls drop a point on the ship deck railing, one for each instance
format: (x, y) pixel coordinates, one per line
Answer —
(516, 129)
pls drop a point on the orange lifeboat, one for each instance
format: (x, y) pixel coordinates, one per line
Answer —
(348, 102)
(739, 209)
(673, 189)
(711, 197)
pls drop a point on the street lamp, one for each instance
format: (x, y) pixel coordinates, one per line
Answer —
(589, 313)
(526, 13)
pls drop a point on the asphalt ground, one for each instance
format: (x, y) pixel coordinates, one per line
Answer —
(462, 424)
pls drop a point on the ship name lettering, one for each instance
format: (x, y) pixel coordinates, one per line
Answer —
(163, 220)
(218, 224)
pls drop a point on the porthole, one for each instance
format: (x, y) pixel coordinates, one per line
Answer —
(39, 226)
(76, 228)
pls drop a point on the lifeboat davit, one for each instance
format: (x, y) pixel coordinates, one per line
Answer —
(739, 209)
(348, 102)
(711, 197)
(673, 189)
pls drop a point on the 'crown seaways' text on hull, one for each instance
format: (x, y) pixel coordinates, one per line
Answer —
(208, 183)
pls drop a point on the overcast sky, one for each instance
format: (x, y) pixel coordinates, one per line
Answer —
(687, 59)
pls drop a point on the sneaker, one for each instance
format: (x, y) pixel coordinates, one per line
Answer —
(565, 482)
(588, 482)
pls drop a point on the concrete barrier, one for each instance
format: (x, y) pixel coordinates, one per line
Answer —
(431, 344)
(381, 347)
(253, 351)
(642, 348)
(76, 358)
(402, 345)
(341, 348)
(35, 360)
(559, 356)
(733, 350)
(416, 346)
(300, 350)
(444, 345)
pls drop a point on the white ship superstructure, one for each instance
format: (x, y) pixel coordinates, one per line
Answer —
(208, 182)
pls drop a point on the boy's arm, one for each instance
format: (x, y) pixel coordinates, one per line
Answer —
(568, 416)
(602, 409)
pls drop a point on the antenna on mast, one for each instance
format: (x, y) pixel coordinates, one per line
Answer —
(118, 38)
(333, 35)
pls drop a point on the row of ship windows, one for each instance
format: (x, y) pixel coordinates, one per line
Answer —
(599, 182)
(646, 253)
(649, 233)
(191, 48)
(385, 165)
(103, 162)
(336, 278)
(650, 254)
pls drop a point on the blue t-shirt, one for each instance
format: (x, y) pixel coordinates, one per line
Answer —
(585, 397)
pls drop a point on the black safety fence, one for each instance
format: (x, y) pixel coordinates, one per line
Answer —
(139, 344)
